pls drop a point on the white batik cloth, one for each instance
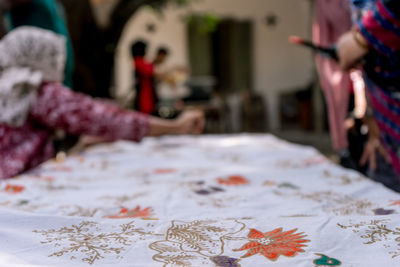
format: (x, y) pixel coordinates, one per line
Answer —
(248, 200)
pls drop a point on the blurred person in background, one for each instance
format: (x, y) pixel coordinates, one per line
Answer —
(170, 83)
(146, 96)
(160, 57)
(332, 19)
(375, 42)
(49, 15)
(33, 103)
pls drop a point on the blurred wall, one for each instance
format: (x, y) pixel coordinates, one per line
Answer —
(278, 66)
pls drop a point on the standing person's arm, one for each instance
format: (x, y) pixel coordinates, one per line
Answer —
(379, 29)
(59, 107)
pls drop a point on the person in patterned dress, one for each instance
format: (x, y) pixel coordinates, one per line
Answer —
(34, 103)
(375, 40)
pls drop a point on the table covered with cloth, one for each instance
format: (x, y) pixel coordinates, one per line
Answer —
(241, 200)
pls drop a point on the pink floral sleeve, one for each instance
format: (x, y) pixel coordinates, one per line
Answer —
(59, 107)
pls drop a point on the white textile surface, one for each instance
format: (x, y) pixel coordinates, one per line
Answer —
(244, 200)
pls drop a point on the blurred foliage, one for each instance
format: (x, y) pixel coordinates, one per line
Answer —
(205, 22)
(160, 4)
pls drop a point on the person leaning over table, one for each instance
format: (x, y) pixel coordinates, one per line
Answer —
(33, 103)
(376, 41)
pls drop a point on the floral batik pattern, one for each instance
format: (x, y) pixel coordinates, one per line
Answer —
(197, 243)
(90, 242)
(134, 213)
(233, 180)
(377, 232)
(326, 261)
(274, 244)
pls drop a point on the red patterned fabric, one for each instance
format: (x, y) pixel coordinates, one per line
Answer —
(58, 107)
(381, 27)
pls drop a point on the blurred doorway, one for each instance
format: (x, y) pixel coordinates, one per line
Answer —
(224, 54)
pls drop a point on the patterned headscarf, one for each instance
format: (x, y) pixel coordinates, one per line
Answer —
(28, 57)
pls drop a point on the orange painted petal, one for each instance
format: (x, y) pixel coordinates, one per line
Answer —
(249, 245)
(123, 210)
(282, 249)
(164, 171)
(288, 238)
(221, 181)
(114, 217)
(272, 256)
(394, 203)
(290, 253)
(289, 233)
(14, 189)
(238, 179)
(252, 252)
(256, 234)
(273, 232)
(302, 241)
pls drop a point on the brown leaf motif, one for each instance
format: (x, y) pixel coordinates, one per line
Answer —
(376, 232)
(89, 241)
(196, 243)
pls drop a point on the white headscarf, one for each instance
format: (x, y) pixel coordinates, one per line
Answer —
(28, 57)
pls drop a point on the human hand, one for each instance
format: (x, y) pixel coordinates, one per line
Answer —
(190, 122)
(372, 147)
(351, 48)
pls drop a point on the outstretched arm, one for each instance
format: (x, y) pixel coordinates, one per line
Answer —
(379, 29)
(59, 108)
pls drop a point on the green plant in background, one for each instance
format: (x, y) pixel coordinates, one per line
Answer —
(160, 4)
(205, 22)
(101, 40)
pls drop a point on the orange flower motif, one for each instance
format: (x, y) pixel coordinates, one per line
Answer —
(274, 244)
(233, 180)
(395, 203)
(136, 213)
(14, 189)
(164, 171)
